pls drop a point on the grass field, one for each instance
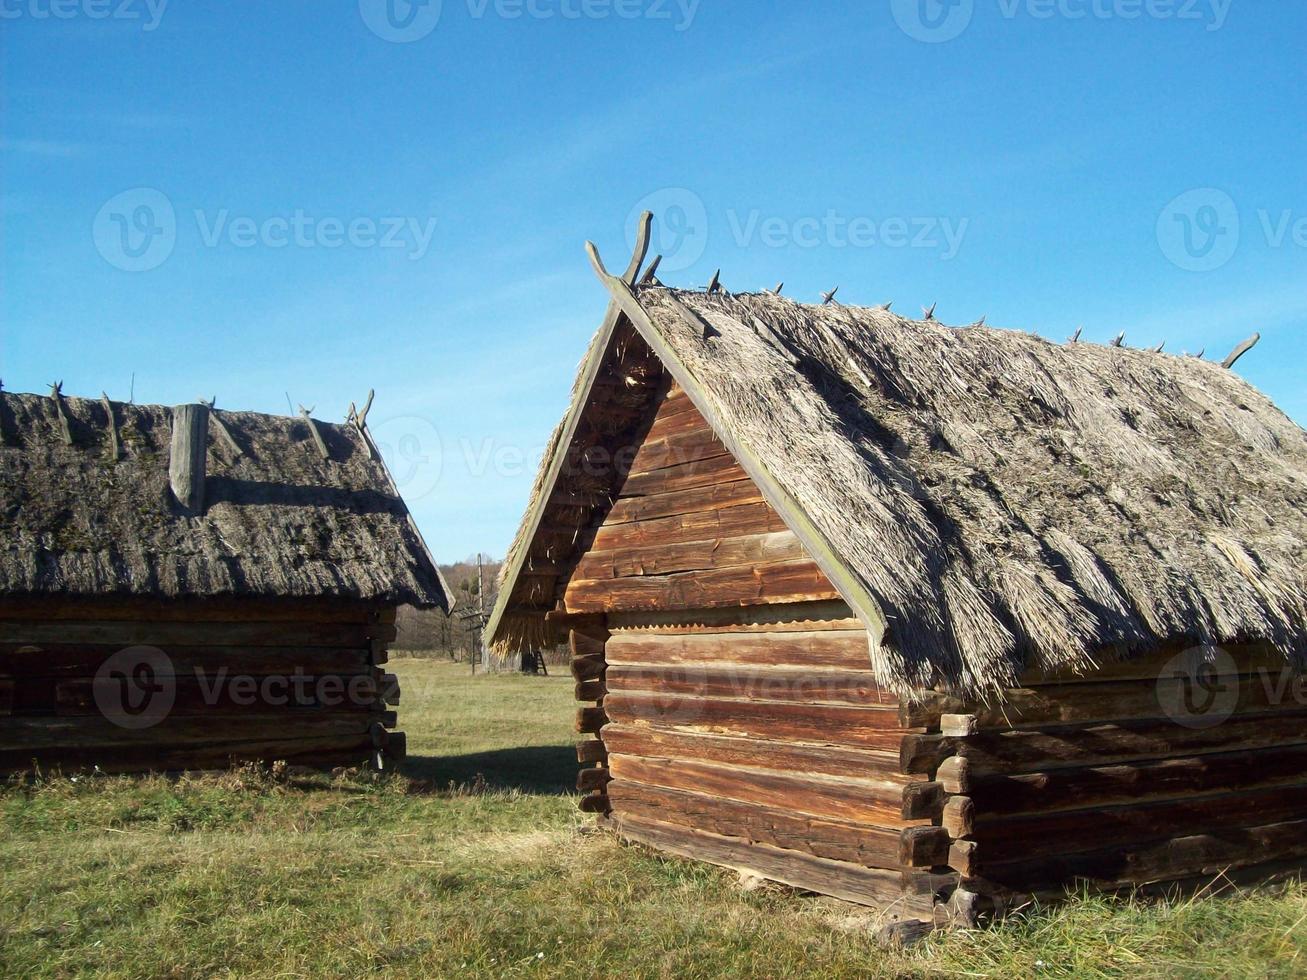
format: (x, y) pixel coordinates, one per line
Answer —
(476, 861)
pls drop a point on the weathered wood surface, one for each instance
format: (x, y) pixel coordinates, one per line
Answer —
(707, 525)
(816, 759)
(164, 633)
(816, 650)
(860, 801)
(866, 886)
(772, 618)
(1014, 752)
(216, 696)
(313, 751)
(785, 581)
(1148, 667)
(187, 455)
(863, 727)
(811, 687)
(666, 559)
(207, 610)
(686, 476)
(66, 660)
(677, 502)
(782, 828)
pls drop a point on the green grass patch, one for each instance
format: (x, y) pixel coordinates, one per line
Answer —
(476, 861)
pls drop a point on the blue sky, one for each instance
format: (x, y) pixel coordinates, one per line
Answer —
(259, 200)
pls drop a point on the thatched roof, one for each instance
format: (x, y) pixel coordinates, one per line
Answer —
(279, 520)
(991, 501)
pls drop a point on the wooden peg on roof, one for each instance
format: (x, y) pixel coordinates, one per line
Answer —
(1200, 354)
(223, 432)
(929, 314)
(1158, 349)
(115, 449)
(2, 425)
(57, 395)
(779, 286)
(1241, 350)
(716, 285)
(360, 422)
(1075, 337)
(313, 429)
(887, 306)
(980, 322)
(828, 298)
(650, 277)
(1120, 340)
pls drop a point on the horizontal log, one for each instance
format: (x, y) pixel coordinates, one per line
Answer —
(1019, 837)
(71, 660)
(819, 760)
(774, 618)
(687, 476)
(816, 650)
(1014, 752)
(591, 750)
(253, 610)
(588, 668)
(1089, 701)
(590, 690)
(865, 802)
(673, 448)
(832, 839)
(790, 581)
(164, 634)
(712, 525)
(23, 732)
(1064, 789)
(589, 780)
(872, 728)
(1148, 667)
(165, 756)
(1207, 855)
(627, 509)
(217, 695)
(923, 847)
(698, 555)
(590, 720)
(752, 683)
(866, 886)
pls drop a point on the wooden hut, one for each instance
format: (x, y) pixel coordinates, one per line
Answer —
(184, 588)
(924, 617)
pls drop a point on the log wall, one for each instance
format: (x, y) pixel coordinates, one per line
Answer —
(729, 709)
(137, 685)
(1143, 773)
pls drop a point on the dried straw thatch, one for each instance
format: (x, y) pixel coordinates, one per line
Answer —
(279, 520)
(1007, 502)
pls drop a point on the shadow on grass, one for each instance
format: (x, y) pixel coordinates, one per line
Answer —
(547, 769)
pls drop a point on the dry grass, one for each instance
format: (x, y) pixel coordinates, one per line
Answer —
(253, 875)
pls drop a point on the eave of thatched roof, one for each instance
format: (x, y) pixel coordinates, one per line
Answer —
(991, 501)
(279, 520)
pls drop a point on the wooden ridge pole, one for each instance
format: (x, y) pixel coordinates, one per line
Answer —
(56, 394)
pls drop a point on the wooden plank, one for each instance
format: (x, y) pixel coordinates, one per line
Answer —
(752, 683)
(687, 476)
(775, 618)
(71, 660)
(860, 801)
(676, 448)
(235, 695)
(665, 559)
(1090, 701)
(790, 581)
(1019, 751)
(833, 839)
(817, 650)
(710, 525)
(1147, 667)
(1064, 789)
(590, 720)
(663, 505)
(866, 886)
(163, 633)
(1013, 838)
(34, 732)
(1207, 854)
(865, 727)
(162, 756)
(222, 610)
(818, 760)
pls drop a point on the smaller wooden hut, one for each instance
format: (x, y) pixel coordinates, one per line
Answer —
(924, 617)
(185, 588)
